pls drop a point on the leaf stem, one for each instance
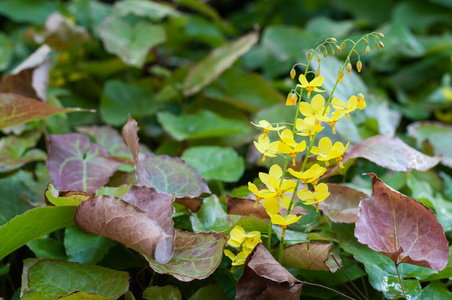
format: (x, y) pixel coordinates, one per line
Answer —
(400, 280)
(325, 287)
(348, 278)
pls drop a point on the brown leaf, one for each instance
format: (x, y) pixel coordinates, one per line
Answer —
(264, 278)
(193, 204)
(61, 33)
(298, 256)
(393, 154)
(401, 228)
(245, 207)
(342, 205)
(130, 137)
(196, 255)
(142, 222)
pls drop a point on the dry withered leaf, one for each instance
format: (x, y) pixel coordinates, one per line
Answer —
(393, 154)
(196, 255)
(264, 278)
(61, 33)
(298, 256)
(130, 137)
(142, 222)
(401, 228)
(245, 207)
(342, 205)
(193, 204)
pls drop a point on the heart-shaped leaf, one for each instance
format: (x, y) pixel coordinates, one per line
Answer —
(76, 164)
(393, 154)
(50, 279)
(220, 59)
(15, 109)
(306, 256)
(401, 228)
(342, 205)
(196, 255)
(264, 277)
(141, 220)
(171, 175)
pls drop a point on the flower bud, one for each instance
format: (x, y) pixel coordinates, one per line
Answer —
(325, 53)
(318, 57)
(342, 45)
(359, 66)
(381, 44)
(338, 48)
(378, 46)
(292, 73)
(366, 41)
(380, 35)
(349, 68)
(332, 52)
(333, 40)
(340, 75)
(367, 50)
(317, 73)
(310, 54)
(361, 102)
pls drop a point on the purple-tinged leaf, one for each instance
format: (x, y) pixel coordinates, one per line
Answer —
(109, 139)
(170, 175)
(14, 154)
(342, 205)
(130, 137)
(393, 154)
(76, 164)
(15, 109)
(196, 255)
(264, 278)
(142, 221)
(401, 228)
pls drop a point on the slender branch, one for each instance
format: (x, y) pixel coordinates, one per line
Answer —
(400, 280)
(325, 287)
(346, 286)
(348, 278)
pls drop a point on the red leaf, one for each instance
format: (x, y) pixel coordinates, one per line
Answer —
(15, 109)
(342, 205)
(401, 228)
(264, 278)
(76, 164)
(141, 221)
(393, 154)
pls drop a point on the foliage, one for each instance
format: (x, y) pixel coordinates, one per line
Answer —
(149, 144)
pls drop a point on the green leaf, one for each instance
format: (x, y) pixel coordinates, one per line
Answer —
(130, 42)
(196, 256)
(208, 292)
(33, 224)
(4, 269)
(381, 269)
(70, 198)
(211, 216)
(204, 124)
(121, 99)
(215, 163)
(436, 290)
(49, 279)
(32, 11)
(85, 248)
(6, 51)
(326, 27)
(247, 91)
(209, 68)
(47, 247)
(153, 10)
(167, 292)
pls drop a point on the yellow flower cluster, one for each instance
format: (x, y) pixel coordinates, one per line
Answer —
(241, 240)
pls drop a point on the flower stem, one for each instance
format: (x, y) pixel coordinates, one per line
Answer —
(269, 237)
(400, 280)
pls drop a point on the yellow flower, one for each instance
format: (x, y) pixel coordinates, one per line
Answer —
(237, 260)
(351, 105)
(266, 126)
(289, 146)
(291, 99)
(310, 86)
(333, 119)
(311, 175)
(327, 151)
(284, 222)
(319, 195)
(264, 146)
(314, 110)
(361, 102)
(262, 194)
(272, 181)
(304, 129)
(252, 239)
(237, 236)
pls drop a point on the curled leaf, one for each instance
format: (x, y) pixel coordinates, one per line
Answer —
(142, 221)
(264, 278)
(342, 205)
(65, 198)
(401, 228)
(196, 255)
(393, 154)
(130, 137)
(76, 164)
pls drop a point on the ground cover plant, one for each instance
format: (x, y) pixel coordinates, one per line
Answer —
(225, 149)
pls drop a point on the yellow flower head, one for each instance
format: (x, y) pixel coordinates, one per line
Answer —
(284, 222)
(332, 120)
(327, 151)
(272, 181)
(289, 146)
(264, 146)
(266, 126)
(262, 194)
(310, 86)
(352, 104)
(237, 260)
(314, 110)
(319, 195)
(311, 175)
(304, 129)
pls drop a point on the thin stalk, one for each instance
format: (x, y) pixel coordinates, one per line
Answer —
(348, 278)
(330, 289)
(269, 238)
(346, 286)
(281, 249)
(400, 280)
